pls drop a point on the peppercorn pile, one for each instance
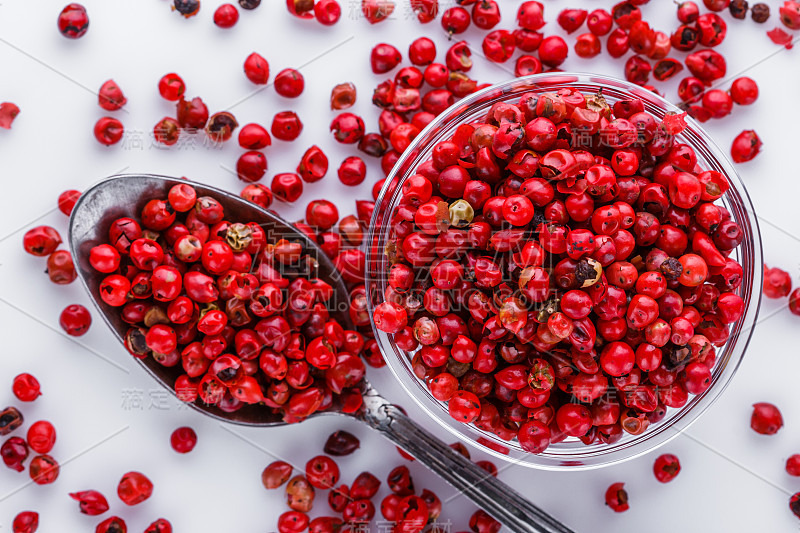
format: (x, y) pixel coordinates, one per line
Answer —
(403, 510)
(617, 255)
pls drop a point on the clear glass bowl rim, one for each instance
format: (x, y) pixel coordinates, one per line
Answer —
(577, 456)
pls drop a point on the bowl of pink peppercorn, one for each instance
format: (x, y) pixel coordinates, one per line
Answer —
(564, 270)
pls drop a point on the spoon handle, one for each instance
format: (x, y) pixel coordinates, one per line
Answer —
(490, 494)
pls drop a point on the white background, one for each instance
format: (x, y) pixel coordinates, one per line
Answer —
(732, 479)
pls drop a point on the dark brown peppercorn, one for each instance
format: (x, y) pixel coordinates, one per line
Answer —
(10, 419)
(249, 4)
(341, 443)
(760, 12)
(738, 9)
(671, 268)
(187, 8)
(136, 343)
(456, 368)
(678, 356)
(588, 272)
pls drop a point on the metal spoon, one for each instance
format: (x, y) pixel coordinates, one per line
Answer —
(125, 195)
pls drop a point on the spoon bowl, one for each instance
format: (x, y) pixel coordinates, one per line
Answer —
(126, 195)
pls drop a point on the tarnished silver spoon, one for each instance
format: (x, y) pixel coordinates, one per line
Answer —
(125, 195)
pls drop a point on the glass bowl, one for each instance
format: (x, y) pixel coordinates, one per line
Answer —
(571, 453)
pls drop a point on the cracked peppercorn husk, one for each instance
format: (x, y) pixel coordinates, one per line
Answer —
(588, 272)
(760, 12)
(10, 419)
(547, 309)
(671, 268)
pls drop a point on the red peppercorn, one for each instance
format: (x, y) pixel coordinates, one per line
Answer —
(377, 10)
(314, 165)
(422, 51)
(530, 15)
(91, 502)
(571, 19)
(352, 171)
(289, 83)
(192, 114)
(110, 96)
(766, 419)
(134, 488)
(167, 131)
(41, 241)
(171, 87)
(793, 465)
(347, 128)
(159, 526)
(14, 451)
(292, 522)
(455, 20)
(327, 12)
(499, 46)
(108, 131)
(707, 65)
(67, 201)
(286, 126)
(75, 320)
(257, 194)
(287, 187)
(26, 387)
(256, 68)
(251, 166)
(716, 5)
(254, 137)
(744, 91)
(44, 470)
(25, 522)
(666, 467)
(553, 51)
(599, 22)
(73, 21)
(60, 267)
(113, 524)
(718, 103)
(183, 439)
(617, 498)
(384, 57)
(688, 12)
(481, 522)
(226, 16)
(587, 45)
(486, 14)
(322, 214)
(41, 436)
(8, 112)
(527, 40)
(746, 146)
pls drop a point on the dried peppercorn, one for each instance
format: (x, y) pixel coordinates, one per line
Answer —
(760, 12)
